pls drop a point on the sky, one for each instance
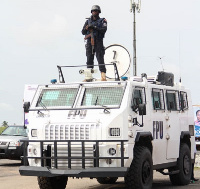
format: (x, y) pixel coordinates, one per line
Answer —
(38, 35)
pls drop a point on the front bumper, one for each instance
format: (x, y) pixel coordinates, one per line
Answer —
(14, 152)
(90, 172)
(49, 162)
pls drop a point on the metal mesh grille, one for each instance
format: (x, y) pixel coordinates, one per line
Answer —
(102, 96)
(57, 97)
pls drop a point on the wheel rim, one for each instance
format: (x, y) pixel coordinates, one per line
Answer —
(186, 164)
(146, 171)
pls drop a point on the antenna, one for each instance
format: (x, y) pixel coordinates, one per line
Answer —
(179, 57)
(161, 62)
(135, 6)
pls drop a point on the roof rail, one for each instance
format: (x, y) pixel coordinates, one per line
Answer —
(151, 79)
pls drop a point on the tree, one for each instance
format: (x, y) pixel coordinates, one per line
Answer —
(5, 124)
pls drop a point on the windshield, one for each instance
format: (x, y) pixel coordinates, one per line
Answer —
(15, 131)
(102, 96)
(87, 95)
(57, 97)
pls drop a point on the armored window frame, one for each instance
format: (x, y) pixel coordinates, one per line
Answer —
(183, 100)
(39, 104)
(158, 104)
(141, 99)
(172, 98)
(96, 103)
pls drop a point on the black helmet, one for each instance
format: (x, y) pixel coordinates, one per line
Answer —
(96, 7)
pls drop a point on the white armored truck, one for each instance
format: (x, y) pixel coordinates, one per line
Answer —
(124, 127)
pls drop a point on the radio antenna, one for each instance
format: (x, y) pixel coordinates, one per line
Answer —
(179, 57)
(135, 6)
(161, 62)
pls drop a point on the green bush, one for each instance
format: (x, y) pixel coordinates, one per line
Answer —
(2, 129)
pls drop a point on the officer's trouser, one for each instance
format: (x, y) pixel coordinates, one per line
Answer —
(99, 51)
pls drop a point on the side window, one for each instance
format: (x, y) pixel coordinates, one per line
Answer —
(172, 100)
(138, 98)
(183, 103)
(158, 99)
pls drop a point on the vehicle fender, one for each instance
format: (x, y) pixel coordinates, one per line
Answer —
(143, 134)
(185, 133)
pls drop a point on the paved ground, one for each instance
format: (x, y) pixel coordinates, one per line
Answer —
(10, 179)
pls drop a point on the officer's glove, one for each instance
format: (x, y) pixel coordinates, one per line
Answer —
(91, 27)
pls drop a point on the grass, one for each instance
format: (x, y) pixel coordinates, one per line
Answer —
(2, 129)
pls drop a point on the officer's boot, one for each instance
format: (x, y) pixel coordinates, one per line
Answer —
(103, 76)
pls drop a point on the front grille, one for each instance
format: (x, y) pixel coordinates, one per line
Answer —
(3, 143)
(73, 132)
(2, 151)
(76, 151)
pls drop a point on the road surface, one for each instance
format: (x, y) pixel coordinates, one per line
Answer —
(11, 179)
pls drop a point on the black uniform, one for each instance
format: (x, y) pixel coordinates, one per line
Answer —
(100, 27)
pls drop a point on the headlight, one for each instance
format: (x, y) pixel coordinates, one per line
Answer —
(34, 132)
(112, 151)
(16, 143)
(35, 151)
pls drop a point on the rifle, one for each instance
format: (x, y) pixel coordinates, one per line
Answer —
(90, 35)
(92, 41)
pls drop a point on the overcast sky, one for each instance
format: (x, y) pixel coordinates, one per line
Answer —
(38, 35)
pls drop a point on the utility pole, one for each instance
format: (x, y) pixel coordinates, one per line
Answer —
(135, 6)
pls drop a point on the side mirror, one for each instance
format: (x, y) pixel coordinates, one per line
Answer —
(26, 107)
(26, 110)
(142, 109)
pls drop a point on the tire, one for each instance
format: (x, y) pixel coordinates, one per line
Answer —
(184, 165)
(52, 182)
(107, 180)
(140, 174)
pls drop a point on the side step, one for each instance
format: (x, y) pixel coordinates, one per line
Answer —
(169, 173)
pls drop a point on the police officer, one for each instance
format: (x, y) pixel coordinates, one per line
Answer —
(94, 30)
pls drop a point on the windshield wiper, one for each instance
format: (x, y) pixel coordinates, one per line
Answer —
(43, 105)
(40, 102)
(96, 101)
(17, 135)
(106, 109)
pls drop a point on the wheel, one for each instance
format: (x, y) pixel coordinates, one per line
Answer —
(140, 174)
(52, 182)
(184, 165)
(107, 180)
